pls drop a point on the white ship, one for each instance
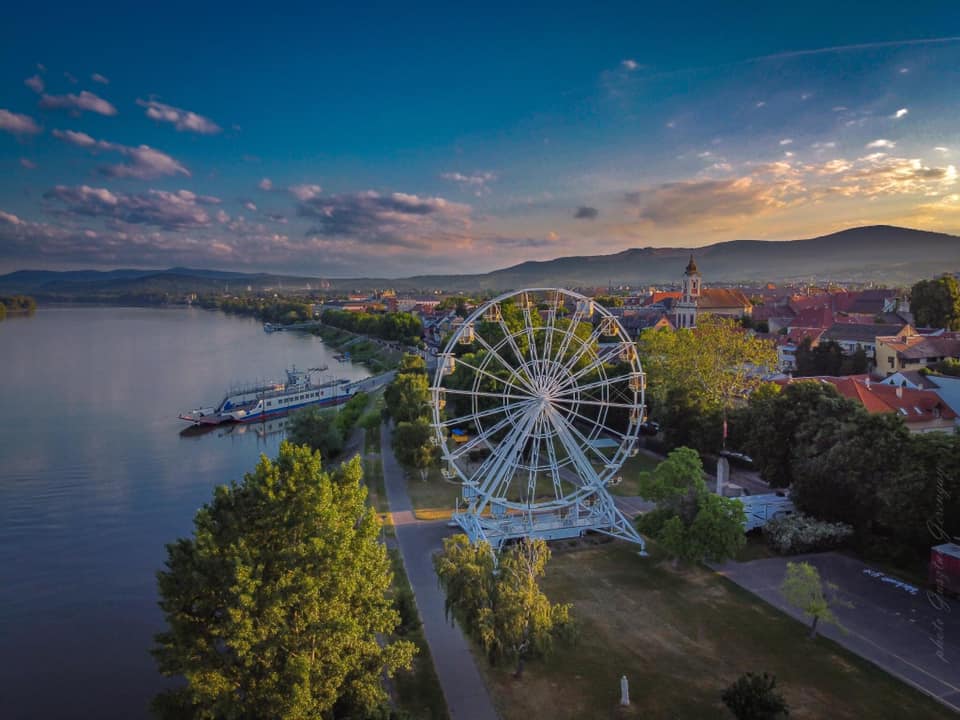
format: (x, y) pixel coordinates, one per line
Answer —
(261, 402)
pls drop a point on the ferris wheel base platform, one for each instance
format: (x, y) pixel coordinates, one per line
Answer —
(549, 525)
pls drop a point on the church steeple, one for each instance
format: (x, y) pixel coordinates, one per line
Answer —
(692, 267)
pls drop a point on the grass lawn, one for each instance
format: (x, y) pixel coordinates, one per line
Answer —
(630, 471)
(417, 691)
(680, 638)
(433, 498)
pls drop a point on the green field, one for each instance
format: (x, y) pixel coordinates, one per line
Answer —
(680, 638)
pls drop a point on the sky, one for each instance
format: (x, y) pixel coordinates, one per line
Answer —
(396, 139)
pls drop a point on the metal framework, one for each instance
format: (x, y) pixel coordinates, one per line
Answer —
(537, 401)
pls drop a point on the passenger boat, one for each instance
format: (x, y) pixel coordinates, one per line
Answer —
(260, 402)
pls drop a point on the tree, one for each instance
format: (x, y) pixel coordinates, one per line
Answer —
(715, 365)
(690, 523)
(755, 697)
(407, 398)
(317, 429)
(505, 610)
(936, 303)
(803, 589)
(412, 445)
(411, 363)
(278, 605)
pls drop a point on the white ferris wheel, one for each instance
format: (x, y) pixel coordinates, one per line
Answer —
(537, 401)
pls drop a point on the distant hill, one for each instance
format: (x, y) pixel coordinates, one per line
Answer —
(879, 253)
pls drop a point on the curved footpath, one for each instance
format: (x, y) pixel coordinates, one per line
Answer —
(463, 688)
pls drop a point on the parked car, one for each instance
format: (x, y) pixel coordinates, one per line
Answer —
(649, 427)
(739, 459)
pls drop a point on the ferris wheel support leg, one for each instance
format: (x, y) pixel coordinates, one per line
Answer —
(619, 525)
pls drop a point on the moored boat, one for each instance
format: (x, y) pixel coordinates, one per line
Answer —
(260, 402)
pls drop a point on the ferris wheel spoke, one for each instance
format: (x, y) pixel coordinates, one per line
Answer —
(509, 337)
(534, 459)
(580, 461)
(488, 432)
(601, 358)
(490, 375)
(510, 368)
(590, 386)
(504, 460)
(565, 412)
(483, 393)
(484, 413)
(600, 403)
(551, 327)
(554, 468)
(569, 334)
(583, 438)
(586, 346)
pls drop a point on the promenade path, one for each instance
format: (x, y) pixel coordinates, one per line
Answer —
(463, 687)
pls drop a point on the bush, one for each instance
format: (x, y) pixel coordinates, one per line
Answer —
(755, 697)
(799, 533)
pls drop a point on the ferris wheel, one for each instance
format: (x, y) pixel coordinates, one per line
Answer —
(537, 401)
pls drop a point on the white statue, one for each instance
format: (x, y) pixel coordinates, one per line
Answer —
(624, 690)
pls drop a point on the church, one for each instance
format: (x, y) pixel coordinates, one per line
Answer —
(696, 300)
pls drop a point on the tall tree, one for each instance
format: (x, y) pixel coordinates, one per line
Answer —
(505, 609)
(803, 588)
(277, 605)
(690, 523)
(936, 303)
(715, 365)
(407, 397)
(318, 429)
(412, 443)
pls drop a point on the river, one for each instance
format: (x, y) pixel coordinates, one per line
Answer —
(95, 477)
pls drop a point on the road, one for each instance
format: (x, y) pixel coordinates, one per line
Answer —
(912, 634)
(463, 687)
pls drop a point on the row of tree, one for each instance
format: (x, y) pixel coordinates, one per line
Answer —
(936, 303)
(273, 310)
(397, 326)
(828, 358)
(900, 491)
(407, 401)
(326, 430)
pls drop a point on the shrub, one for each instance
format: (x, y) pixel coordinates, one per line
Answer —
(799, 533)
(755, 697)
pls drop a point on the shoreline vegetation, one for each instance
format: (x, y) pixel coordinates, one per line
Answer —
(16, 305)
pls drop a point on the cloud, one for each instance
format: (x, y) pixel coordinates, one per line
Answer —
(477, 182)
(787, 141)
(823, 145)
(17, 124)
(35, 83)
(98, 78)
(586, 213)
(394, 219)
(943, 150)
(182, 120)
(160, 208)
(10, 218)
(143, 162)
(250, 205)
(265, 184)
(27, 163)
(881, 143)
(760, 103)
(902, 112)
(78, 103)
(685, 203)
(305, 192)
(629, 65)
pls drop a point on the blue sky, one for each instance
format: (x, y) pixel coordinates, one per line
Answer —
(397, 139)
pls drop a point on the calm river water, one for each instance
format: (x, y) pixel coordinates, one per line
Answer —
(95, 477)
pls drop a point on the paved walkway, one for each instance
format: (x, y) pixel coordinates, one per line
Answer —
(465, 692)
(912, 634)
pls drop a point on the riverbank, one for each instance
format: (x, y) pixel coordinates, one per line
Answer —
(377, 355)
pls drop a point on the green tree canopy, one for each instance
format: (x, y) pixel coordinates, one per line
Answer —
(412, 444)
(690, 523)
(505, 610)
(318, 429)
(710, 368)
(278, 605)
(936, 303)
(407, 398)
(803, 588)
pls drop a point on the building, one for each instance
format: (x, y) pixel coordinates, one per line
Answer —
(912, 351)
(696, 300)
(856, 336)
(921, 410)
